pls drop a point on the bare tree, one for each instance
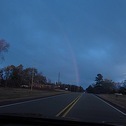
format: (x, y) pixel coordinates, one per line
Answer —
(3, 47)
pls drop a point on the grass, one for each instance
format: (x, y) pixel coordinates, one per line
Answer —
(19, 93)
(120, 100)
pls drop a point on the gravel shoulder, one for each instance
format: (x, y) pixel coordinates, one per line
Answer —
(119, 102)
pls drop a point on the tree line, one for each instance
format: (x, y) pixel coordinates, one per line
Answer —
(17, 76)
(106, 86)
(70, 87)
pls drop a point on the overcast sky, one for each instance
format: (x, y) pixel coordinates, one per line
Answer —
(78, 38)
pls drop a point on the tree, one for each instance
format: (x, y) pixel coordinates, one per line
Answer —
(122, 87)
(8, 74)
(40, 79)
(1, 77)
(122, 90)
(16, 76)
(3, 47)
(90, 89)
(28, 74)
(99, 79)
(124, 84)
(108, 86)
(102, 86)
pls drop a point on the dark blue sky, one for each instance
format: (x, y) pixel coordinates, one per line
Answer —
(78, 38)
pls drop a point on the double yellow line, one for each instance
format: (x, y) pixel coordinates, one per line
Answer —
(67, 109)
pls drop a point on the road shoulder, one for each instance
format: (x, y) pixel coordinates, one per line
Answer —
(17, 100)
(113, 104)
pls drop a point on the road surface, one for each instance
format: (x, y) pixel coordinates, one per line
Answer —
(77, 106)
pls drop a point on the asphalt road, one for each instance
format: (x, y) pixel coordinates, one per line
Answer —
(76, 106)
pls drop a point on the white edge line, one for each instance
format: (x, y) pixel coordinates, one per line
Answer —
(2, 106)
(111, 105)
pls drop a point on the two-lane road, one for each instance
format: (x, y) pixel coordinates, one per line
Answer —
(78, 106)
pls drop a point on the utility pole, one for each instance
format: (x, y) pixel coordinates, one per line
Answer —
(32, 78)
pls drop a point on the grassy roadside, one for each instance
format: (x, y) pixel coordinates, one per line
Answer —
(20, 93)
(120, 100)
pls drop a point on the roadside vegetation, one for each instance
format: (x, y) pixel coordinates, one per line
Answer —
(106, 86)
(18, 77)
(18, 93)
(110, 91)
(17, 82)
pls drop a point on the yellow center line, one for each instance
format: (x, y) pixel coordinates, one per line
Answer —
(66, 107)
(69, 107)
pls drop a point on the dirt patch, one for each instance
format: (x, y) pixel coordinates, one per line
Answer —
(120, 100)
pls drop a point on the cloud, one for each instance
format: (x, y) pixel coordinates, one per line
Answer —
(79, 39)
